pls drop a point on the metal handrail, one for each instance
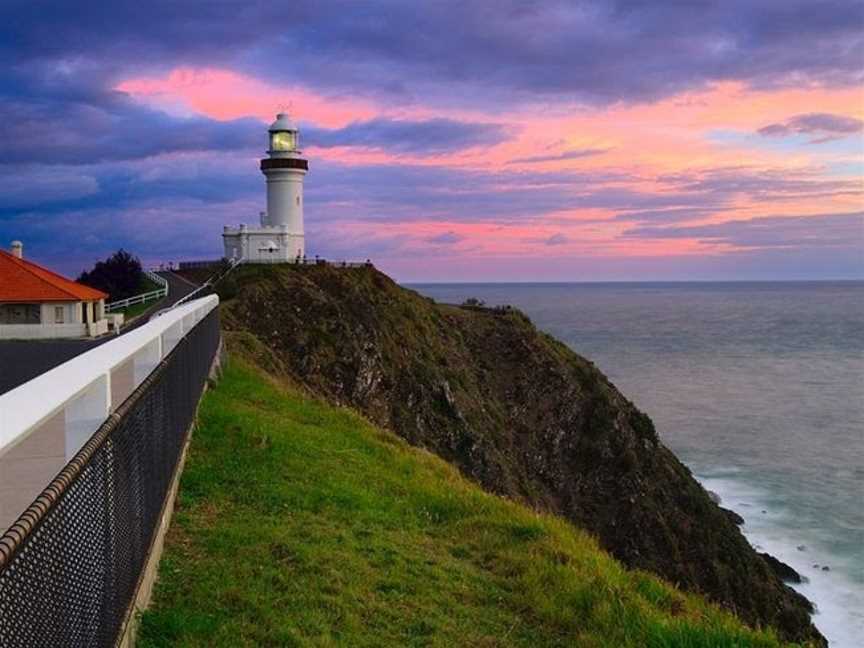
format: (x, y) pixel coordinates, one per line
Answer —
(232, 263)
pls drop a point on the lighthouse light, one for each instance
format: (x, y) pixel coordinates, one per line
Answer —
(283, 141)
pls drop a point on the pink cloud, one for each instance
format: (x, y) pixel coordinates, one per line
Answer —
(627, 147)
(223, 94)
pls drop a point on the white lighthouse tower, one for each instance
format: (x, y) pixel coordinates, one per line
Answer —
(285, 170)
(280, 237)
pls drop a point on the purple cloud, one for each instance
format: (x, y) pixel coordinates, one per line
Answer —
(720, 185)
(453, 52)
(447, 238)
(673, 215)
(108, 126)
(426, 137)
(573, 154)
(556, 239)
(844, 230)
(825, 126)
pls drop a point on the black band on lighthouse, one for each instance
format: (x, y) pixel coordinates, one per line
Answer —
(284, 163)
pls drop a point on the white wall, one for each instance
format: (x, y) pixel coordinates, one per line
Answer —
(97, 328)
(72, 324)
(71, 312)
(285, 198)
(250, 243)
(41, 331)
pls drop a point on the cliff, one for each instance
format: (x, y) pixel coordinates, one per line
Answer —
(516, 411)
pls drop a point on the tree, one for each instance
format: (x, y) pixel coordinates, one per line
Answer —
(119, 275)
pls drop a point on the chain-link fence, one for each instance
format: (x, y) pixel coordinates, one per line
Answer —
(70, 566)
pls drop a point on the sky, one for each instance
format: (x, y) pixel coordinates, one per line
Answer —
(489, 140)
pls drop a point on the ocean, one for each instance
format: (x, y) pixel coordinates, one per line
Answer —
(757, 386)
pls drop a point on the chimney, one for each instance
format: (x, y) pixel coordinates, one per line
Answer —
(18, 249)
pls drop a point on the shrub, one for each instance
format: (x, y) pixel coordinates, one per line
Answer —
(119, 275)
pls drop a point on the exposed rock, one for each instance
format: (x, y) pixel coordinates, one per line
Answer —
(732, 516)
(783, 571)
(714, 497)
(518, 412)
(801, 548)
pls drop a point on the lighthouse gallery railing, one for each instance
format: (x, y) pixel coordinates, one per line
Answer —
(71, 563)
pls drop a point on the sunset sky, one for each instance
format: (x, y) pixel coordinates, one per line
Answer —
(448, 141)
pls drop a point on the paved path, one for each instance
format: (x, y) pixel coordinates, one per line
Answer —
(178, 287)
(23, 360)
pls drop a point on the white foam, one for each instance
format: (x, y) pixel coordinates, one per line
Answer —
(838, 598)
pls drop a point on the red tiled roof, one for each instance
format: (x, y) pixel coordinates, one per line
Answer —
(25, 281)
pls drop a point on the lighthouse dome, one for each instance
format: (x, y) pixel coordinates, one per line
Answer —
(283, 122)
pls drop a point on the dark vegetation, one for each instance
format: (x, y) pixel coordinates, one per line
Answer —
(516, 411)
(120, 275)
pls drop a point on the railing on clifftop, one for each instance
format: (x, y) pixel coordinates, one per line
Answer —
(316, 261)
(117, 418)
(190, 265)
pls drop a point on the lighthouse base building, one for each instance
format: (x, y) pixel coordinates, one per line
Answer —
(279, 236)
(263, 244)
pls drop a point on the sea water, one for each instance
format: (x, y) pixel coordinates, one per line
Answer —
(757, 387)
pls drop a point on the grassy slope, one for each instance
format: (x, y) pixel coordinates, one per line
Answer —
(137, 309)
(302, 524)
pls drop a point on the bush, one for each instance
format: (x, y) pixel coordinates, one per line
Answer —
(119, 275)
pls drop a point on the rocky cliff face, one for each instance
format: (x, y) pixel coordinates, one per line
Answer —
(515, 410)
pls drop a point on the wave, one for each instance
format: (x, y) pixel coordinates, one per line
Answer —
(838, 598)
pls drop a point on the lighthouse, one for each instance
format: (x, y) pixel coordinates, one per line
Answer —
(285, 170)
(279, 237)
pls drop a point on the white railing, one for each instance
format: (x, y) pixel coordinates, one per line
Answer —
(44, 422)
(159, 293)
(310, 261)
(159, 280)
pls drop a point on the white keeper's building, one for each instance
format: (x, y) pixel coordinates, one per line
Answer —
(38, 303)
(279, 237)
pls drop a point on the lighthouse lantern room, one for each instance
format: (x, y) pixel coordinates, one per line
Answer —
(279, 237)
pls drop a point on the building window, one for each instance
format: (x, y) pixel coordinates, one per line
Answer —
(298, 200)
(20, 313)
(58, 314)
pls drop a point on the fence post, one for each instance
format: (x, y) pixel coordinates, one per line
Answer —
(85, 414)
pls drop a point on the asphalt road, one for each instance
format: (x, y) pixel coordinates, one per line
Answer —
(23, 360)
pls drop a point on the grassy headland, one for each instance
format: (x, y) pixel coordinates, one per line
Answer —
(516, 411)
(300, 523)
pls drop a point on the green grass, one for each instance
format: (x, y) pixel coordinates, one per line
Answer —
(137, 309)
(301, 524)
